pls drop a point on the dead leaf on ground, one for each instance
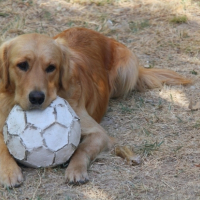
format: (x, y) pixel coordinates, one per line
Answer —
(126, 152)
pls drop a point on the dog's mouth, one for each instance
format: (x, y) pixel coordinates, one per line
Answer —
(35, 107)
(28, 107)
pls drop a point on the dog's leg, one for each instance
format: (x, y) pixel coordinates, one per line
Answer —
(10, 172)
(94, 140)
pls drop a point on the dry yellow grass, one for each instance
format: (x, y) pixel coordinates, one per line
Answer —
(157, 123)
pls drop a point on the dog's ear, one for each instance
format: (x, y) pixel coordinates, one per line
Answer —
(4, 64)
(65, 70)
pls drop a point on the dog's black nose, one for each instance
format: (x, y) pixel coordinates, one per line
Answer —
(36, 97)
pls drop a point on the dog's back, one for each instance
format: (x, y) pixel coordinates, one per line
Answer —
(106, 68)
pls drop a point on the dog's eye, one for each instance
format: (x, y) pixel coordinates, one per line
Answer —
(23, 66)
(50, 68)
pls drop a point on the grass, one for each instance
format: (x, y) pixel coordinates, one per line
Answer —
(177, 149)
(148, 148)
(125, 109)
(194, 72)
(93, 2)
(137, 26)
(179, 119)
(147, 132)
(28, 2)
(4, 14)
(160, 104)
(196, 125)
(47, 15)
(179, 19)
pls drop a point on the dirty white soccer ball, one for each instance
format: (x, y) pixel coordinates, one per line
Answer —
(42, 138)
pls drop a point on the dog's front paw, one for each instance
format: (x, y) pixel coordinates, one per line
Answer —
(10, 174)
(76, 175)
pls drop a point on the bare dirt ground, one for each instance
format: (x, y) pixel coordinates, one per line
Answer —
(158, 123)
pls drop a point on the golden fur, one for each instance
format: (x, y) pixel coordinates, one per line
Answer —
(80, 65)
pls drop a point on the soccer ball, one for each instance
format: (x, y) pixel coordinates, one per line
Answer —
(42, 138)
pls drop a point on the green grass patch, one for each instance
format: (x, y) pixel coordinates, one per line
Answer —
(136, 26)
(179, 19)
(125, 109)
(147, 148)
(147, 132)
(193, 72)
(196, 125)
(3, 14)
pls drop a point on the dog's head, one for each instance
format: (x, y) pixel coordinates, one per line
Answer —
(30, 67)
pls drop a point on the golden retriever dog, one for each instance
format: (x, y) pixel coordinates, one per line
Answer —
(81, 66)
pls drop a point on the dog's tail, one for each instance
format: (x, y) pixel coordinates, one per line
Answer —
(129, 75)
(154, 78)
